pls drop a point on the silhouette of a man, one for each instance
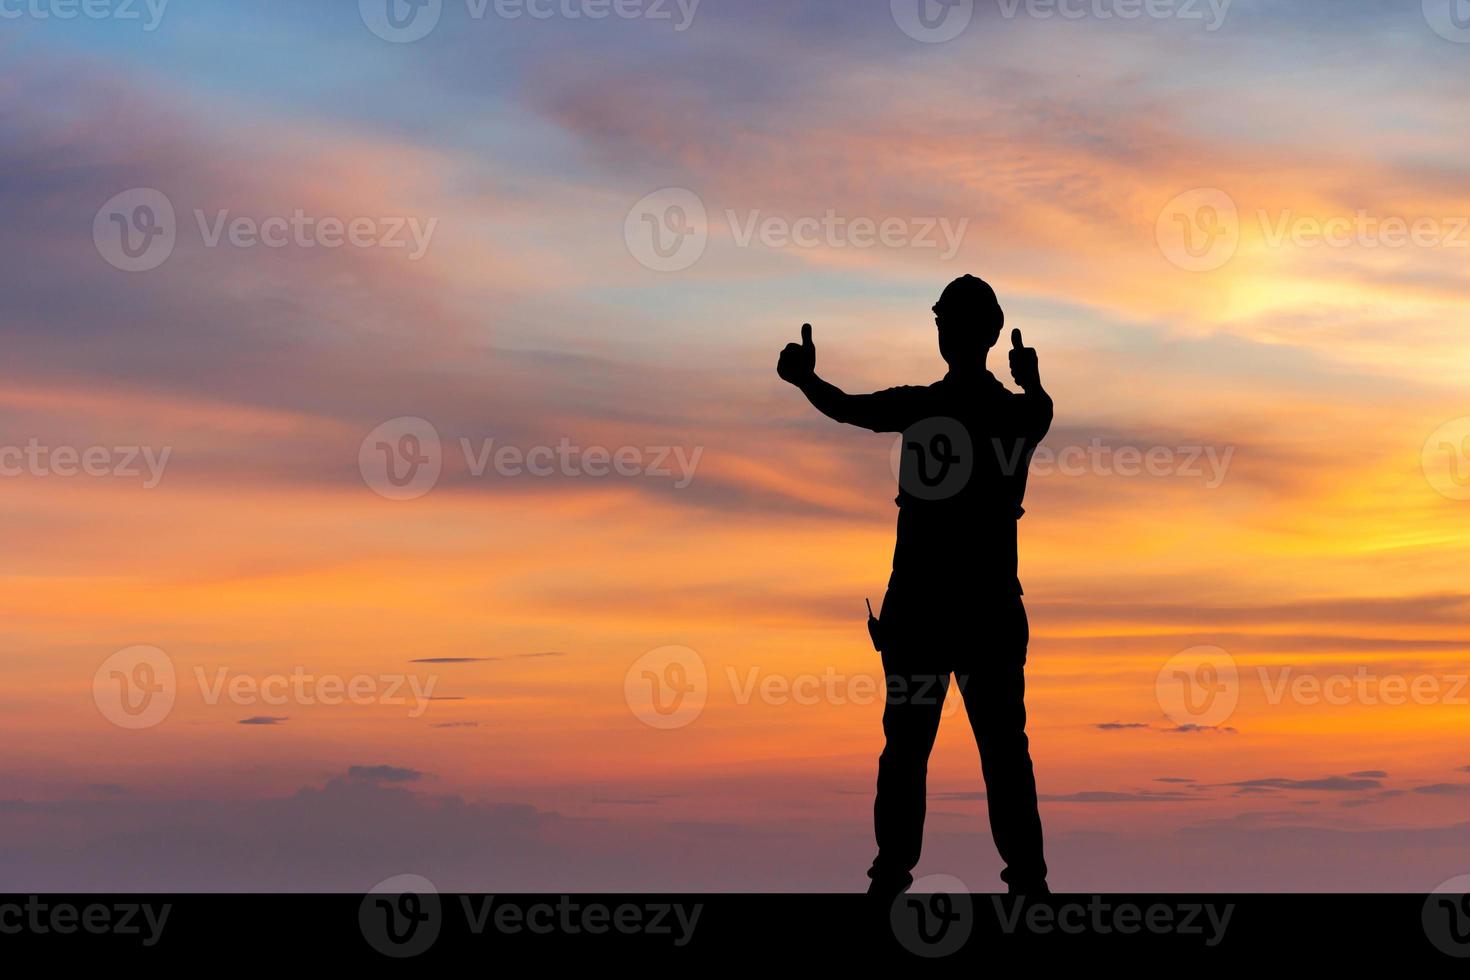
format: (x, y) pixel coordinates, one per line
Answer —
(954, 602)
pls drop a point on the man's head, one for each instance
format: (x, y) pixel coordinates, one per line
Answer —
(969, 319)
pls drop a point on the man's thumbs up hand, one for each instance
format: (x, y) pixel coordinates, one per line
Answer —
(1024, 368)
(798, 362)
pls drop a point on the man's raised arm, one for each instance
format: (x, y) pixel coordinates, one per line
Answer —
(798, 365)
(1027, 374)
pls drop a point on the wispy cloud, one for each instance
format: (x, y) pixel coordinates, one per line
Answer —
(384, 774)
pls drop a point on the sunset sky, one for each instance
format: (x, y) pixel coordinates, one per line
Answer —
(1238, 234)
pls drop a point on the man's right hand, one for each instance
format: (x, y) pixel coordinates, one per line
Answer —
(798, 362)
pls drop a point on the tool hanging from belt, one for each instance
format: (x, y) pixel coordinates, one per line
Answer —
(873, 627)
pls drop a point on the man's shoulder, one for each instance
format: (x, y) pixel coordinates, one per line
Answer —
(913, 389)
(986, 387)
(910, 394)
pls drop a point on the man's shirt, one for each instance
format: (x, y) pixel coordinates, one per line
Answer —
(962, 476)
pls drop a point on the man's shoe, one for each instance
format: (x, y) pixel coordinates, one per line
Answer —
(888, 889)
(1029, 888)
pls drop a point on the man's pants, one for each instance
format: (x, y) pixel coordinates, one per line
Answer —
(984, 645)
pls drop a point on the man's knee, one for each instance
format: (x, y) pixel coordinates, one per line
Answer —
(904, 759)
(1003, 743)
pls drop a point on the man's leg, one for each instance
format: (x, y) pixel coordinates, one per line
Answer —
(994, 689)
(915, 699)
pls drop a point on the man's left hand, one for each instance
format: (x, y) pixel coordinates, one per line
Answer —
(1024, 368)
